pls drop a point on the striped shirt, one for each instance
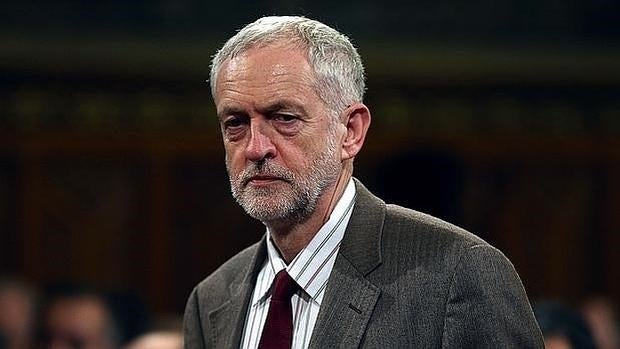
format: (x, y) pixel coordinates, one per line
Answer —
(310, 269)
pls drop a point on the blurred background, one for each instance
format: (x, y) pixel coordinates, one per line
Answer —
(500, 116)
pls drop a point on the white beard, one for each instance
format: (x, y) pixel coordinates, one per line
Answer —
(295, 198)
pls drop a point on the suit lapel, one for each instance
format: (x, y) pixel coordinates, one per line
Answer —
(346, 309)
(350, 298)
(229, 319)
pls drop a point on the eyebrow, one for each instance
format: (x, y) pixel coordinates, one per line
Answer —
(228, 110)
(266, 110)
(282, 104)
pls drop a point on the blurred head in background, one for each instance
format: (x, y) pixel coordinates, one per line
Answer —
(562, 327)
(158, 340)
(74, 318)
(17, 308)
(601, 314)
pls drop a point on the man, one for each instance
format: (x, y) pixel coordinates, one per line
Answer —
(337, 268)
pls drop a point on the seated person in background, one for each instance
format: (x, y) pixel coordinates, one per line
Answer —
(80, 318)
(601, 314)
(158, 340)
(17, 304)
(562, 327)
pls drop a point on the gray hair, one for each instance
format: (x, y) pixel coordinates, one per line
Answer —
(337, 66)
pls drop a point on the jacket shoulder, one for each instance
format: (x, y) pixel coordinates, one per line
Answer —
(426, 226)
(422, 238)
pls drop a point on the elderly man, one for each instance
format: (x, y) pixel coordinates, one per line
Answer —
(337, 267)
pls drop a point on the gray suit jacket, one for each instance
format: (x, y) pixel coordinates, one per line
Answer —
(402, 279)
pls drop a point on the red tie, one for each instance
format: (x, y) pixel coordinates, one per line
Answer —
(278, 330)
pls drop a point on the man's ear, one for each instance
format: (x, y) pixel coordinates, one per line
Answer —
(356, 119)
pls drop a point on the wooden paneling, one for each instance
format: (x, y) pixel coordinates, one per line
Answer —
(141, 200)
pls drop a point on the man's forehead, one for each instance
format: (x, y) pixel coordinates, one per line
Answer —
(281, 47)
(267, 62)
(267, 73)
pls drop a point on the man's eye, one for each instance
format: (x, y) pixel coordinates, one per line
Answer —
(234, 127)
(285, 117)
(232, 123)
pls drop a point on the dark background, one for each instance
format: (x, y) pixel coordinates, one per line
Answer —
(500, 116)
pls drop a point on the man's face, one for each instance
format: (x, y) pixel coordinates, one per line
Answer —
(279, 136)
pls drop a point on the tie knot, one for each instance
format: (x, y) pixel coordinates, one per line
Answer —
(285, 286)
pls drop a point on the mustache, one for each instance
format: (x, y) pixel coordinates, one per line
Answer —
(268, 169)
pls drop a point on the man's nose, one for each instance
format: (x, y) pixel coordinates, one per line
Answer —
(260, 146)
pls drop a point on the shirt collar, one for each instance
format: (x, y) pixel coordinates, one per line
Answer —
(313, 264)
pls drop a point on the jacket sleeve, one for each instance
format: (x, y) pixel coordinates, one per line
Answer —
(487, 306)
(192, 328)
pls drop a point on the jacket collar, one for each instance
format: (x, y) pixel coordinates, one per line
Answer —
(350, 298)
(229, 319)
(362, 240)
